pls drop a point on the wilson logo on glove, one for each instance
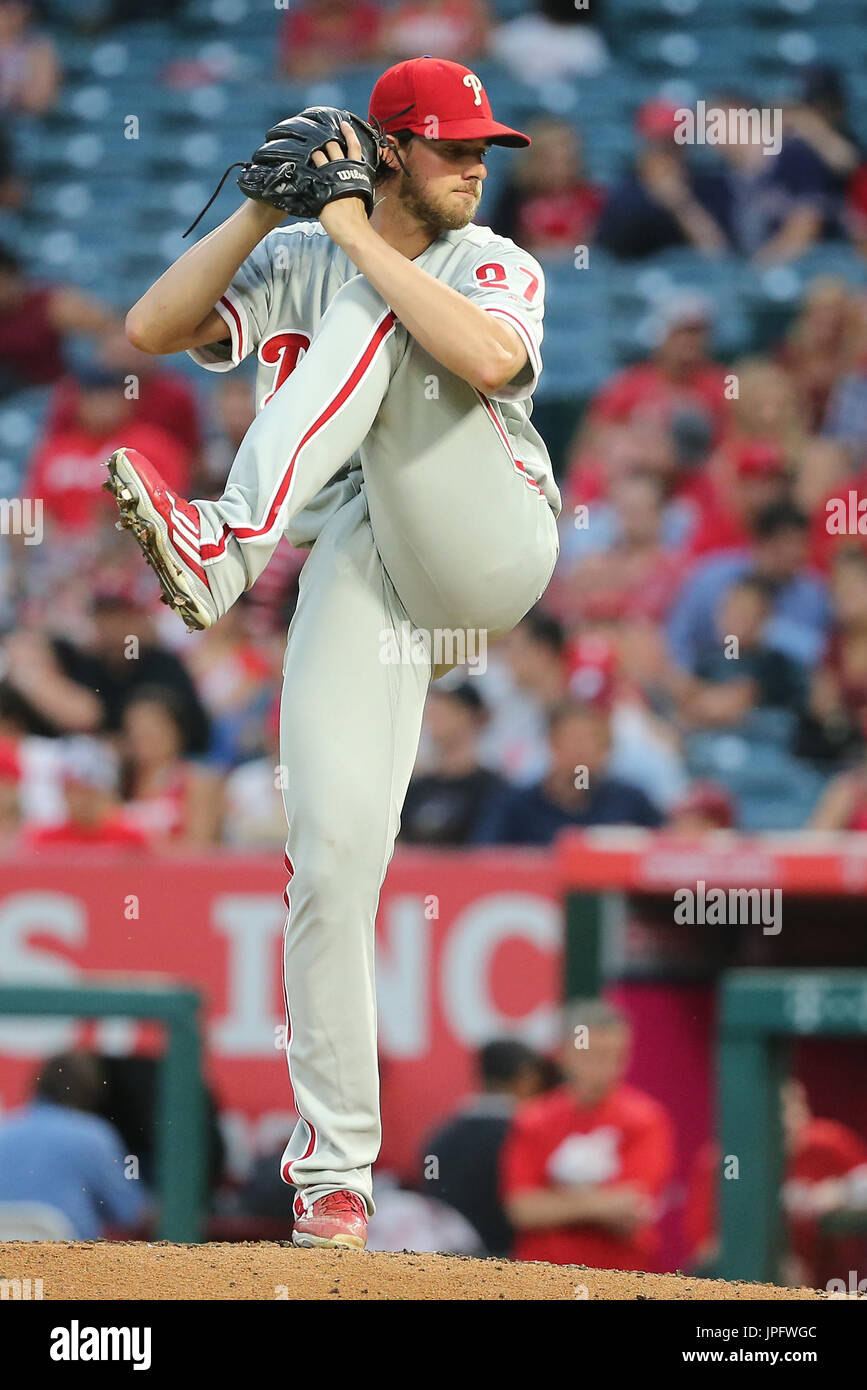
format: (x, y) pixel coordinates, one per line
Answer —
(282, 172)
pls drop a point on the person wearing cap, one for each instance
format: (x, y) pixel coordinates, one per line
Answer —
(681, 375)
(65, 471)
(93, 815)
(662, 202)
(164, 398)
(747, 476)
(704, 806)
(397, 353)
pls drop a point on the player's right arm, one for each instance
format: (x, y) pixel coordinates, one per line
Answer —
(177, 312)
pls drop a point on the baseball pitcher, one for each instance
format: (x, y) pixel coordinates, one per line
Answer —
(398, 346)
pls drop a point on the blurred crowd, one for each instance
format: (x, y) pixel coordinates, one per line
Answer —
(702, 594)
(555, 1158)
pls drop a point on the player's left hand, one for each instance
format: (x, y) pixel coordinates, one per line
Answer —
(347, 215)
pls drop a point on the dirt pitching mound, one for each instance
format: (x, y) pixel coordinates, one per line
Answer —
(274, 1270)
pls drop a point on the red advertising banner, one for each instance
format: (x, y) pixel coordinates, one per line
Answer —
(469, 948)
(642, 861)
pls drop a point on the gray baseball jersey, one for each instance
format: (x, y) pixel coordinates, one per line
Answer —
(431, 510)
(276, 301)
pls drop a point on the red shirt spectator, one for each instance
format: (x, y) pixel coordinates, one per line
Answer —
(559, 220)
(584, 1167)
(165, 400)
(626, 1138)
(321, 36)
(172, 800)
(548, 206)
(10, 788)
(821, 1154)
(680, 377)
(649, 393)
(834, 522)
(33, 322)
(66, 471)
(29, 339)
(93, 817)
(114, 832)
(455, 29)
(746, 476)
(667, 413)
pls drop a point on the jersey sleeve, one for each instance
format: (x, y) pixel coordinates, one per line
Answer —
(507, 282)
(245, 309)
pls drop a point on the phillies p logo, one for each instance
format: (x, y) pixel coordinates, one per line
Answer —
(476, 83)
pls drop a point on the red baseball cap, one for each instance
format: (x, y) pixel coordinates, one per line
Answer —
(710, 800)
(440, 100)
(591, 669)
(656, 119)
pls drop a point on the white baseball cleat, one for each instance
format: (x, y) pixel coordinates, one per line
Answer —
(167, 529)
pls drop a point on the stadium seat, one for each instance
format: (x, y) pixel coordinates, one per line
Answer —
(804, 13)
(21, 418)
(774, 789)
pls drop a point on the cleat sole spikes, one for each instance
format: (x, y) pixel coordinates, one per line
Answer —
(171, 578)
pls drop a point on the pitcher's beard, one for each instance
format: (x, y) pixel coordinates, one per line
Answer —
(438, 214)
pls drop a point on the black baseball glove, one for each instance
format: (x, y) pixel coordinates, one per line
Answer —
(283, 174)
